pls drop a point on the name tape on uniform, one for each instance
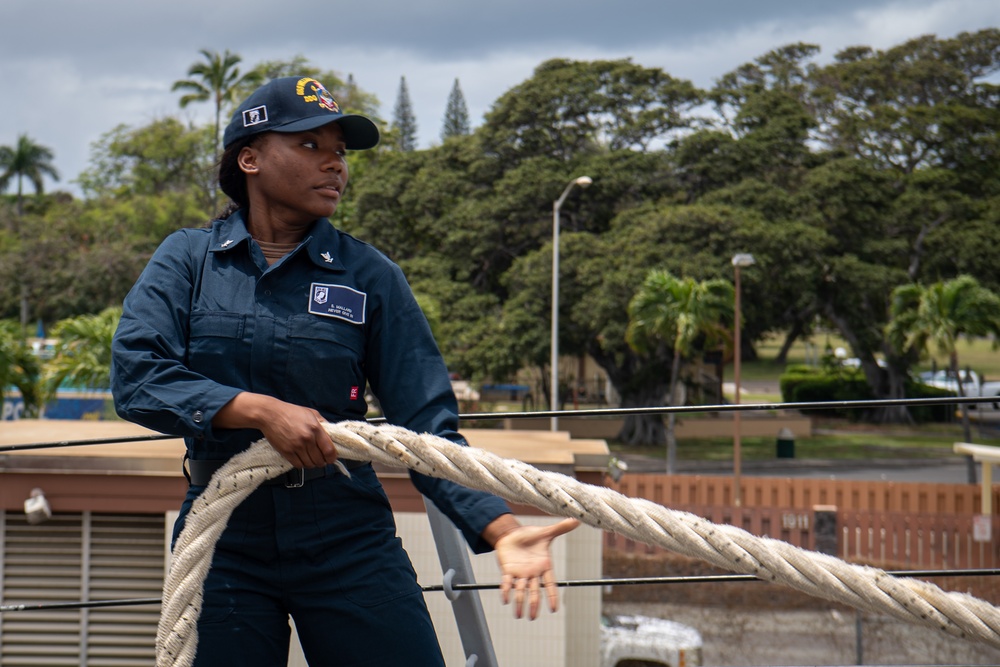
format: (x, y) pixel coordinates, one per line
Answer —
(337, 301)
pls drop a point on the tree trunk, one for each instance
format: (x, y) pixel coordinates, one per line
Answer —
(640, 383)
(964, 410)
(20, 198)
(793, 335)
(675, 373)
(897, 372)
(896, 389)
(642, 430)
(874, 374)
(23, 291)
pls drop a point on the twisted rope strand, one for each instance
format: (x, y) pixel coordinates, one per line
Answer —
(724, 546)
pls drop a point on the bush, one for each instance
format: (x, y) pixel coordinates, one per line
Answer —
(809, 384)
(929, 413)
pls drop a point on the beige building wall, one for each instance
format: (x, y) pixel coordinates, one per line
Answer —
(568, 638)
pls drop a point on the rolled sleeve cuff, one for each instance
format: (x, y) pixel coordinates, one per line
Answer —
(190, 416)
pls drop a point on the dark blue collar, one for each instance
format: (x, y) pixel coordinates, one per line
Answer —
(322, 241)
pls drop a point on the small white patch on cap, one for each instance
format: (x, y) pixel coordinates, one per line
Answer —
(255, 116)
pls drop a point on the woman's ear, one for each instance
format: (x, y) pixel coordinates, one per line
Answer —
(247, 160)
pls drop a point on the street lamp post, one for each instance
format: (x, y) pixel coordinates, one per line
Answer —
(582, 181)
(739, 260)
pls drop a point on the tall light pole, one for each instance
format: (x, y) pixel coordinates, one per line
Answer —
(739, 260)
(582, 181)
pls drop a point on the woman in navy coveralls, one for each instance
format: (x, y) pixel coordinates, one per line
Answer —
(269, 323)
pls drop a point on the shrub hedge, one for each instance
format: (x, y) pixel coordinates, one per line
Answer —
(807, 384)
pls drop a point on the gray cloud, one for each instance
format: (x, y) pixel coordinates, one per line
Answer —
(71, 71)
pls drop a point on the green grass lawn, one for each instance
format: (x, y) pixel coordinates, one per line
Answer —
(828, 446)
(977, 354)
(839, 438)
(833, 439)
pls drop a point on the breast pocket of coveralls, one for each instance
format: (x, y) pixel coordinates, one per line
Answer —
(216, 345)
(326, 365)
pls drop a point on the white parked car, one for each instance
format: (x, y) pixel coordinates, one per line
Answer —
(641, 641)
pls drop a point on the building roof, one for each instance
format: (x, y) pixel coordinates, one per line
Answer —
(158, 456)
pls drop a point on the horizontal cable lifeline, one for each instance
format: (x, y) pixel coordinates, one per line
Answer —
(577, 583)
(595, 412)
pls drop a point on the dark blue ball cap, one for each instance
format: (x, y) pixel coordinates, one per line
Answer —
(296, 104)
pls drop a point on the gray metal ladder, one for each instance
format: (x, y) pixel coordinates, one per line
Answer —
(456, 567)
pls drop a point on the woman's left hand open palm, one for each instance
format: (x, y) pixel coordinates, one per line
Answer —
(525, 559)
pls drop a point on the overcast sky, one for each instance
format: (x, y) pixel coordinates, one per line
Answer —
(70, 70)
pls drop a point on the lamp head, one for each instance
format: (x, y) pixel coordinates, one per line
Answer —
(37, 508)
(616, 468)
(743, 259)
(584, 181)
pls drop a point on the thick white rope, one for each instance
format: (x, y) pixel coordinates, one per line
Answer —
(724, 546)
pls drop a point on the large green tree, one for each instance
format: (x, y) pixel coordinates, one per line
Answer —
(471, 222)
(868, 152)
(83, 256)
(79, 256)
(917, 127)
(570, 108)
(162, 157)
(755, 155)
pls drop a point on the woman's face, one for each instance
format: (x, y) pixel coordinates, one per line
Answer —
(294, 178)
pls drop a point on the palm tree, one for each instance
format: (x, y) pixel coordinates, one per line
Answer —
(938, 315)
(680, 313)
(82, 356)
(25, 160)
(217, 79)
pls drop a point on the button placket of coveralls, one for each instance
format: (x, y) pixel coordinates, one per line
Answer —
(262, 346)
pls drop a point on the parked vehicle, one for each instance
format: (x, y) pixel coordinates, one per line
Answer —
(971, 385)
(641, 641)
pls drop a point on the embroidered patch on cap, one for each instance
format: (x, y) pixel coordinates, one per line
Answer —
(255, 116)
(337, 301)
(312, 90)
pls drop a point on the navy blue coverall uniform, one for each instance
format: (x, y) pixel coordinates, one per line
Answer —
(207, 319)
